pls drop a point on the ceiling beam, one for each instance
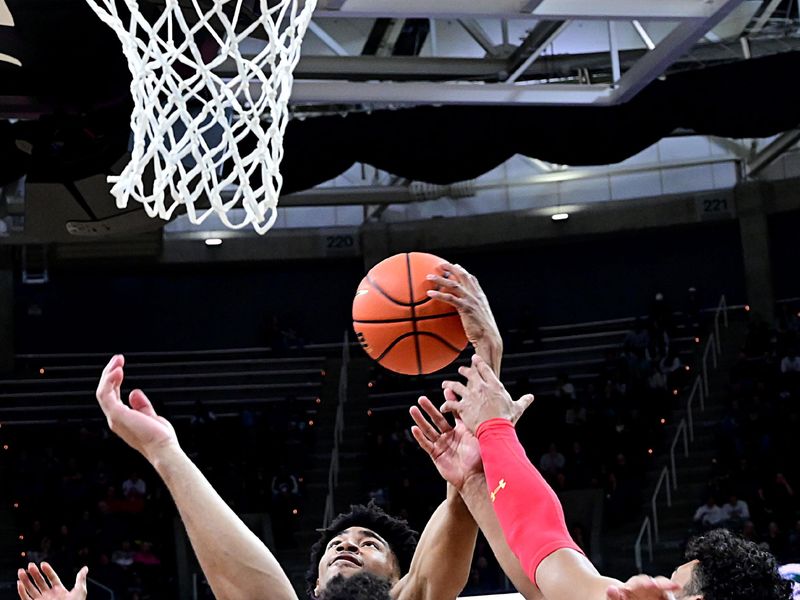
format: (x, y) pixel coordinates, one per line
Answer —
(538, 38)
(477, 33)
(765, 16)
(679, 41)
(327, 39)
(433, 68)
(424, 92)
(670, 10)
(772, 151)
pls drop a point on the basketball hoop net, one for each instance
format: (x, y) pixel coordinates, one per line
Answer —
(188, 121)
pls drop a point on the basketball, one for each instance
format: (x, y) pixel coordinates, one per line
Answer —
(396, 322)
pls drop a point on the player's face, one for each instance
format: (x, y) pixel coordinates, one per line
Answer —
(683, 575)
(356, 549)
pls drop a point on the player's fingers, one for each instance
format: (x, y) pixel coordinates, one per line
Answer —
(108, 387)
(447, 298)
(427, 429)
(23, 595)
(36, 575)
(437, 417)
(456, 387)
(118, 360)
(51, 575)
(80, 579)
(450, 406)
(444, 282)
(450, 395)
(423, 442)
(484, 370)
(458, 271)
(614, 593)
(524, 403)
(141, 403)
(27, 583)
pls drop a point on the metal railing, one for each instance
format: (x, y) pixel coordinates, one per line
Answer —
(108, 590)
(669, 474)
(338, 429)
(722, 309)
(698, 391)
(637, 546)
(682, 428)
(664, 477)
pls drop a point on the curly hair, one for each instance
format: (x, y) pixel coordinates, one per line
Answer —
(732, 568)
(361, 586)
(401, 538)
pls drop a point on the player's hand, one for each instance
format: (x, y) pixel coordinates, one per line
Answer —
(454, 450)
(483, 397)
(643, 587)
(32, 585)
(461, 290)
(136, 422)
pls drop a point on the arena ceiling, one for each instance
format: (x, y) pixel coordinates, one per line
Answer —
(454, 68)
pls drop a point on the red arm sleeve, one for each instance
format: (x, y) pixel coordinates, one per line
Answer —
(527, 508)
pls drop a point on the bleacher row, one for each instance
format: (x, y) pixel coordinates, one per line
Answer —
(49, 388)
(579, 350)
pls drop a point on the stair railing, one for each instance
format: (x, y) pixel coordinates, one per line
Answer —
(700, 390)
(338, 429)
(682, 429)
(106, 589)
(637, 546)
(663, 478)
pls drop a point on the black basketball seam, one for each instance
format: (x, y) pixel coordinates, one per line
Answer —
(383, 293)
(399, 338)
(425, 318)
(413, 314)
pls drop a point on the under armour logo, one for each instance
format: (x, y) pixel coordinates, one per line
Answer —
(500, 486)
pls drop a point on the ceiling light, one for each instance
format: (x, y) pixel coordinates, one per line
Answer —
(213, 242)
(560, 217)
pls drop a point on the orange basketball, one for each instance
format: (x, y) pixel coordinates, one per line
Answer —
(398, 324)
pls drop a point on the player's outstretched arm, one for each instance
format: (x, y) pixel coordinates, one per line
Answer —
(441, 564)
(34, 584)
(456, 454)
(527, 508)
(460, 289)
(237, 564)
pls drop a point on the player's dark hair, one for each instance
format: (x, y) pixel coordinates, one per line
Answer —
(361, 586)
(401, 538)
(732, 568)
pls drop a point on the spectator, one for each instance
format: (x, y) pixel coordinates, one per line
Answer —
(791, 362)
(736, 509)
(124, 556)
(578, 468)
(793, 546)
(709, 515)
(776, 541)
(564, 388)
(692, 312)
(134, 486)
(749, 532)
(659, 340)
(552, 462)
(638, 339)
(660, 312)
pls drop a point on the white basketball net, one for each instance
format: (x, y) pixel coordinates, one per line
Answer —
(178, 99)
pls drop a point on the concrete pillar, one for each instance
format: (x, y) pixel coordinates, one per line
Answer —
(6, 310)
(754, 230)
